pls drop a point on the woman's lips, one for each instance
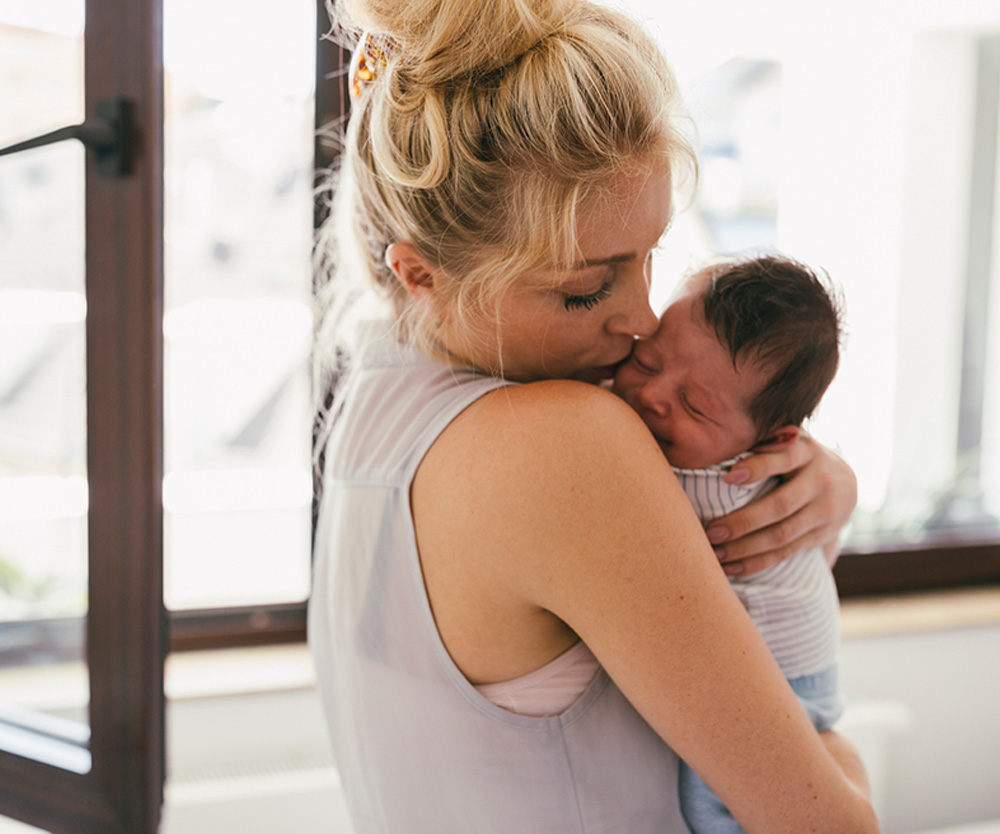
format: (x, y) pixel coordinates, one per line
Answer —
(599, 373)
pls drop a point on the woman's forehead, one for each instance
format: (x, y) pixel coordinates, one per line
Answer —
(615, 224)
(630, 216)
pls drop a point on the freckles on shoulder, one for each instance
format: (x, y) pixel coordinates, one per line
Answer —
(534, 433)
(577, 412)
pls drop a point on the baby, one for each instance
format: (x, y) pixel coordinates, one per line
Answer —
(740, 359)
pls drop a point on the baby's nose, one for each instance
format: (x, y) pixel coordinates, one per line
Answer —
(653, 399)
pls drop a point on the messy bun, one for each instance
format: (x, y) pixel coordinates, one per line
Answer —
(490, 124)
(440, 40)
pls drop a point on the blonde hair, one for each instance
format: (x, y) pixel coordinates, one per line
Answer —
(492, 123)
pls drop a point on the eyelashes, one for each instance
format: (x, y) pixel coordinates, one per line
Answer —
(692, 409)
(587, 302)
(687, 404)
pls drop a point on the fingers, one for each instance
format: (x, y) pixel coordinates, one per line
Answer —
(764, 549)
(782, 523)
(808, 509)
(755, 564)
(770, 516)
(769, 464)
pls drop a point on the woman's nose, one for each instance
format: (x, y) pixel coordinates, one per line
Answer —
(636, 318)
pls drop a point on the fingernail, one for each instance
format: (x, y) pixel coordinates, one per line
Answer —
(718, 534)
(719, 552)
(733, 569)
(740, 475)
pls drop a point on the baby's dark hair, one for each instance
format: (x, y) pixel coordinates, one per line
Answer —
(779, 314)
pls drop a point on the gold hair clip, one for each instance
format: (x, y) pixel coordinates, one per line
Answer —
(369, 59)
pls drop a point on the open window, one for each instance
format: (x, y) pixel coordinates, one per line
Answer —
(137, 408)
(82, 308)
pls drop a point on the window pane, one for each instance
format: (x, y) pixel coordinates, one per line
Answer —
(43, 479)
(239, 134)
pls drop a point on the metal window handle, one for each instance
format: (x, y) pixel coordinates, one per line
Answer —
(107, 135)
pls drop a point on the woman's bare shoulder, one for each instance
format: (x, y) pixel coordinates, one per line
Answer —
(524, 456)
(550, 417)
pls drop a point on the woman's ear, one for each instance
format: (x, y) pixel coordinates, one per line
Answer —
(778, 439)
(413, 272)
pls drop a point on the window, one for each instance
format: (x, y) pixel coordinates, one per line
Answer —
(85, 474)
(870, 150)
(241, 155)
(101, 768)
(238, 321)
(239, 207)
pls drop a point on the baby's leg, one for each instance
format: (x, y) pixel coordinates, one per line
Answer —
(703, 810)
(820, 697)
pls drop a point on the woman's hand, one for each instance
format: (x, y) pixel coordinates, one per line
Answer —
(808, 509)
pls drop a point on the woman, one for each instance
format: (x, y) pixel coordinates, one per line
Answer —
(517, 622)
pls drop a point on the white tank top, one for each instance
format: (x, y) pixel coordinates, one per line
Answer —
(419, 749)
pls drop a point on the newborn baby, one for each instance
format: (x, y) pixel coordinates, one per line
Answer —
(740, 359)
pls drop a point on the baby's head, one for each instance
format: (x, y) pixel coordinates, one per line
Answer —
(741, 357)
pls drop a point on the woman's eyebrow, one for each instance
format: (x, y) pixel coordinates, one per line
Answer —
(586, 263)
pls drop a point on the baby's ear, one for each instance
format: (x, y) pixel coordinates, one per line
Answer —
(778, 439)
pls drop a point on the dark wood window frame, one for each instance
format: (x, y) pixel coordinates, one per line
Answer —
(126, 622)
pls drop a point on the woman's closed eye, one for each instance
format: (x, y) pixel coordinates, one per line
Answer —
(587, 302)
(641, 362)
(642, 366)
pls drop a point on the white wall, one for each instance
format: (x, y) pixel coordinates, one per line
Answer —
(944, 769)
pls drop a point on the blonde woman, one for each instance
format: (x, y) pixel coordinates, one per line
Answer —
(517, 622)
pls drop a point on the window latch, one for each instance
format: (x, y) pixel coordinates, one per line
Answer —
(107, 135)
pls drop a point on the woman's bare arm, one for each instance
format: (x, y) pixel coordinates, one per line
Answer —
(808, 510)
(575, 512)
(847, 758)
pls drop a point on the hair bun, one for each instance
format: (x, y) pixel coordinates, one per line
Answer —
(439, 40)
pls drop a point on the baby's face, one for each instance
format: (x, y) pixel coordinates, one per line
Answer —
(683, 384)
